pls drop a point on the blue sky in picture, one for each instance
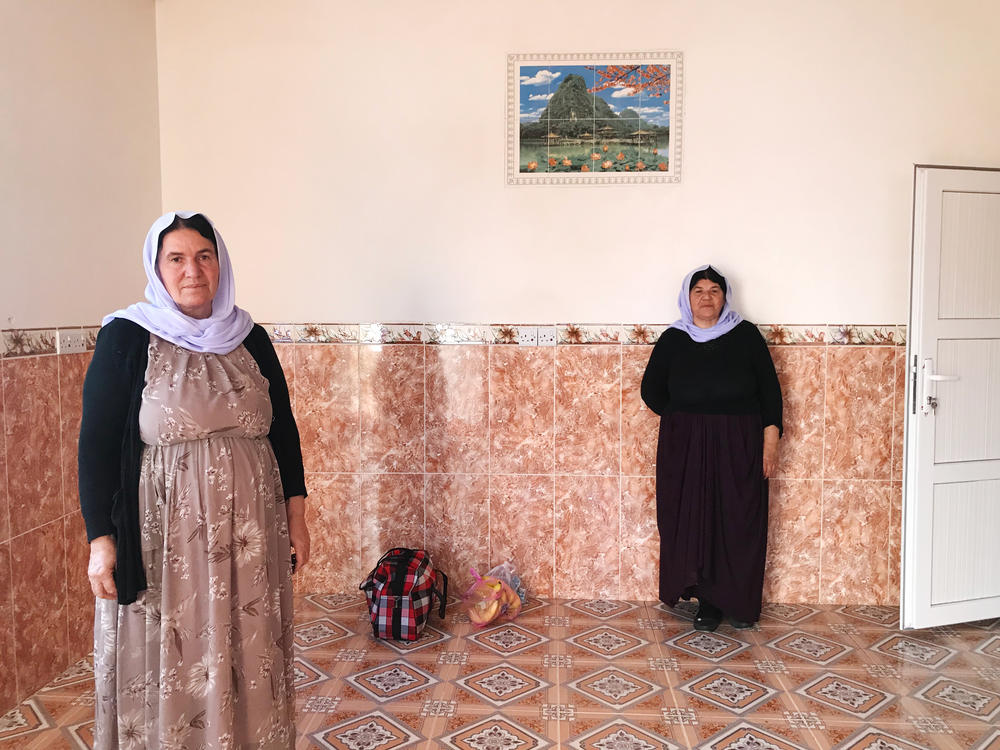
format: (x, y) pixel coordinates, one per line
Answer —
(538, 83)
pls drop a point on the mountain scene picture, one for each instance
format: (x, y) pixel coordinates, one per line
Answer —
(594, 119)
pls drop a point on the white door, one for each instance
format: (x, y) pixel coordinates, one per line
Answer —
(951, 488)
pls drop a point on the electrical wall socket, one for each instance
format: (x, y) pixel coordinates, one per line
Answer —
(527, 335)
(546, 335)
(72, 342)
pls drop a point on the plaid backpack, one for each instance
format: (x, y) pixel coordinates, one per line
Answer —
(400, 591)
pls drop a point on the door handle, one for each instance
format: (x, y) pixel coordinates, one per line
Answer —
(930, 403)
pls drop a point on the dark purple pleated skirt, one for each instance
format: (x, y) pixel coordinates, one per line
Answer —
(711, 511)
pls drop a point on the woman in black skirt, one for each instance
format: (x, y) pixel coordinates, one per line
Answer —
(711, 380)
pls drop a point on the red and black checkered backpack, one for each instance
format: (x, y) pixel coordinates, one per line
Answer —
(400, 592)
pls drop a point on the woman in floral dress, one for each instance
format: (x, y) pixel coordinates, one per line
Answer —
(192, 489)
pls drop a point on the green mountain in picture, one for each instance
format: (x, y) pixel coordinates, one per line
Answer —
(573, 112)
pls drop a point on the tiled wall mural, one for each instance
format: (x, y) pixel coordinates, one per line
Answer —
(481, 443)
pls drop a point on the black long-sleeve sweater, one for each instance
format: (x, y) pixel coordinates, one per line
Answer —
(110, 447)
(732, 374)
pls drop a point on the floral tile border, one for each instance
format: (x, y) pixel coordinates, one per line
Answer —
(571, 333)
(457, 333)
(392, 333)
(326, 333)
(642, 333)
(524, 335)
(776, 334)
(28, 342)
(862, 335)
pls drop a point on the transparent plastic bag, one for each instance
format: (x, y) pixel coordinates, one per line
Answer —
(490, 599)
(508, 574)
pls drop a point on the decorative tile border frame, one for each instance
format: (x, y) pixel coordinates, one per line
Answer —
(33, 342)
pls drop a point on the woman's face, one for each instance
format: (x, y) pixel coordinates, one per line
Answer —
(707, 300)
(189, 269)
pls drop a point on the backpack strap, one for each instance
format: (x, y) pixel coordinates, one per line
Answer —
(442, 594)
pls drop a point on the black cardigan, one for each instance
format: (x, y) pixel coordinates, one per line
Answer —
(111, 450)
(733, 374)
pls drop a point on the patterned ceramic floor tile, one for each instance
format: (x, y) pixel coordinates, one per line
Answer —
(607, 642)
(508, 639)
(712, 646)
(393, 680)
(730, 691)
(374, 730)
(967, 699)
(877, 739)
(495, 733)
(615, 688)
(431, 636)
(320, 632)
(886, 617)
(990, 742)
(307, 674)
(22, 720)
(502, 684)
(621, 734)
(914, 650)
(809, 646)
(592, 673)
(990, 647)
(855, 698)
(601, 608)
(787, 614)
(746, 736)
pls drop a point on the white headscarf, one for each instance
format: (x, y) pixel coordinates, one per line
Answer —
(728, 318)
(220, 333)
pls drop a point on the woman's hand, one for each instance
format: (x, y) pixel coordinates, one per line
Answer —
(298, 532)
(770, 451)
(101, 568)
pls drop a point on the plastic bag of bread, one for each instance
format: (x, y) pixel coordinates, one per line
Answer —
(490, 599)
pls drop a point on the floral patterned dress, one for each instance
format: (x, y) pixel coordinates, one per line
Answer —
(203, 658)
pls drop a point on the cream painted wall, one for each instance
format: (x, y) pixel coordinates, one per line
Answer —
(79, 157)
(353, 154)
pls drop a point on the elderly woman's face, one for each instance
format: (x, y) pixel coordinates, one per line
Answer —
(189, 269)
(707, 300)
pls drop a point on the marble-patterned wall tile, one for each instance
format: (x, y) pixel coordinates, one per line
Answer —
(640, 426)
(72, 369)
(4, 501)
(855, 549)
(588, 410)
(333, 514)
(801, 370)
(899, 413)
(521, 528)
(458, 526)
(8, 673)
(38, 577)
(522, 409)
(34, 472)
(588, 536)
(286, 356)
(392, 515)
(326, 406)
(458, 409)
(859, 406)
(895, 543)
(640, 546)
(793, 540)
(392, 408)
(79, 597)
